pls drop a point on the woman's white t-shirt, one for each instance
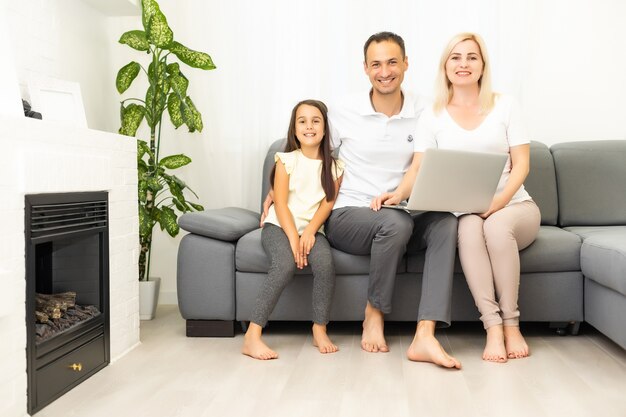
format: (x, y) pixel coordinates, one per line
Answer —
(499, 131)
(305, 187)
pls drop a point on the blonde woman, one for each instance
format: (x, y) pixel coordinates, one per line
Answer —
(468, 115)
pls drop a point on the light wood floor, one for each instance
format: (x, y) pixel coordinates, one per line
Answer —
(172, 375)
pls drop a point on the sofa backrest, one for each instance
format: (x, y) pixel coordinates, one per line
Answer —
(541, 182)
(591, 180)
(277, 146)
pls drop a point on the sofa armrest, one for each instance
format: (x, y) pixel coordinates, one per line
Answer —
(226, 224)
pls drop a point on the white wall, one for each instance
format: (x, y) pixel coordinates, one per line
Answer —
(563, 59)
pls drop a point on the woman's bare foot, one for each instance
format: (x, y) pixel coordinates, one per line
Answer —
(373, 339)
(426, 348)
(254, 346)
(322, 341)
(516, 346)
(494, 348)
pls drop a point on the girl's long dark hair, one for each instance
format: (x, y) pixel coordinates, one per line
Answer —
(328, 162)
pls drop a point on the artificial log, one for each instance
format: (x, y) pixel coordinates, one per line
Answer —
(41, 317)
(55, 305)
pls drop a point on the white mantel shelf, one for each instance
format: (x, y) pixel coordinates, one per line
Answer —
(45, 157)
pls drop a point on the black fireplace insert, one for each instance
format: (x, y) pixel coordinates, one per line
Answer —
(67, 292)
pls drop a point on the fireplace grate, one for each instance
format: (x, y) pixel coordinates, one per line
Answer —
(54, 220)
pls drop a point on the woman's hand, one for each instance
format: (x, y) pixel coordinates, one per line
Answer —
(297, 255)
(385, 198)
(499, 202)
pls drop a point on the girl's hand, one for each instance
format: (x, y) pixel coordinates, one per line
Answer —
(498, 202)
(269, 200)
(307, 240)
(385, 198)
(297, 255)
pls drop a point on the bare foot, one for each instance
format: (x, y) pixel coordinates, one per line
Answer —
(373, 339)
(516, 346)
(254, 346)
(426, 348)
(494, 348)
(322, 341)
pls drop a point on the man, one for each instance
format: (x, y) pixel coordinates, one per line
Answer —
(374, 135)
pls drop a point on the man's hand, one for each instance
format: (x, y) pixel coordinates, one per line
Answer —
(267, 203)
(385, 198)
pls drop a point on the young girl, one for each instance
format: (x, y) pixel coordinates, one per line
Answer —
(468, 115)
(305, 181)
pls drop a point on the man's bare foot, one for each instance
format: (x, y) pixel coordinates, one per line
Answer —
(516, 346)
(373, 339)
(494, 348)
(426, 348)
(322, 341)
(254, 346)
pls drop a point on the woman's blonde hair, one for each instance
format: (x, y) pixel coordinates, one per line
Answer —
(443, 87)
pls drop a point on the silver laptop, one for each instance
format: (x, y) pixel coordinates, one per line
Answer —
(455, 181)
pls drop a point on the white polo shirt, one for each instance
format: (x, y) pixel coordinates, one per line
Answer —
(377, 150)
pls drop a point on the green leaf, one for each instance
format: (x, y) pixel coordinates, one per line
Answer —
(173, 108)
(173, 68)
(142, 149)
(153, 184)
(136, 39)
(158, 32)
(174, 161)
(132, 115)
(192, 58)
(156, 99)
(146, 223)
(180, 206)
(159, 75)
(168, 221)
(126, 75)
(192, 117)
(142, 190)
(196, 207)
(179, 84)
(148, 9)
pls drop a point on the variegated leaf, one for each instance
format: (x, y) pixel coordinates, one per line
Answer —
(195, 206)
(173, 108)
(132, 115)
(173, 68)
(136, 39)
(126, 75)
(179, 84)
(175, 161)
(148, 9)
(196, 117)
(168, 221)
(192, 58)
(158, 32)
(145, 222)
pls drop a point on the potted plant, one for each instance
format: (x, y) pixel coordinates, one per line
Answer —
(161, 194)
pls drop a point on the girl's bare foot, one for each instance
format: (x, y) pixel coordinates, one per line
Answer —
(494, 348)
(373, 339)
(516, 346)
(254, 346)
(322, 341)
(426, 348)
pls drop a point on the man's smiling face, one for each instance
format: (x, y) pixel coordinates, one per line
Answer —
(385, 66)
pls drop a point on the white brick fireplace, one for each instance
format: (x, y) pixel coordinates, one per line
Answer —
(41, 157)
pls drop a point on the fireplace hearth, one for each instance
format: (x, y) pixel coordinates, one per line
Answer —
(67, 292)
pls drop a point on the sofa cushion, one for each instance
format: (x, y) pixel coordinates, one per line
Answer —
(554, 250)
(541, 182)
(603, 255)
(591, 179)
(227, 224)
(250, 257)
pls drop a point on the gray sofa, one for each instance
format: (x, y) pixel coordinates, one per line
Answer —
(574, 271)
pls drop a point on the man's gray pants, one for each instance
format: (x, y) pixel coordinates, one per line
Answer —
(385, 235)
(282, 270)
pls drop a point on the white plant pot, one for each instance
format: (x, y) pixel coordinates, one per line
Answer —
(148, 298)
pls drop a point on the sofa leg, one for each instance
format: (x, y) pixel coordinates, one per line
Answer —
(244, 325)
(563, 328)
(210, 328)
